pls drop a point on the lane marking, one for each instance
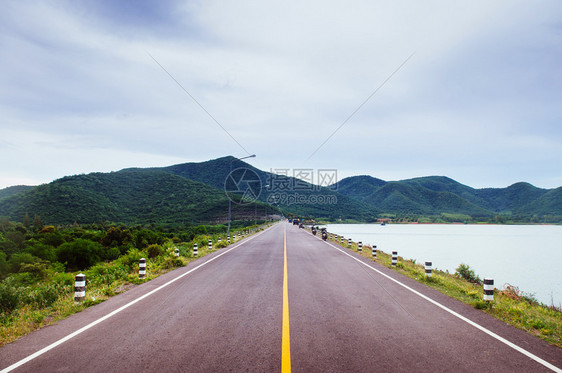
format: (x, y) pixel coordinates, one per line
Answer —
(477, 326)
(94, 323)
(286, 340)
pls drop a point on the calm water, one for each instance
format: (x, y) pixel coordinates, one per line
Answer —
(527, 256)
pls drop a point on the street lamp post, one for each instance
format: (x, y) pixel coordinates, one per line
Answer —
(229, 200)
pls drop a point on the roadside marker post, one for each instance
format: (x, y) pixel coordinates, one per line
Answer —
(342, 240)
(142, 268)
(374, 251)
(349, 242)
(176, 252)
(228, 239)
(195, 250)
(79, 287)
(360, 246)
(428, 268)
(488, 289)
(210, 245)
(394, 258)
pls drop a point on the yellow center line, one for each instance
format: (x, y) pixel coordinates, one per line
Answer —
(286, 344)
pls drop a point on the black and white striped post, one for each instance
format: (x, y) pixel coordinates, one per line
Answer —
(210, 245)
(374, 251)
(238, 235)
(349, 242)
(219, 239)
(341, 239)
(79, 287)
(488, 289)
(176, 252)
(360, 246)
(142, 268)
(228, 239)
(195, 250)
(330, 236)
(428, 269)
(394, 258)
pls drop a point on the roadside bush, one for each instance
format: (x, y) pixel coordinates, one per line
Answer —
(154, 250)
(106, 274)
(465, 272)
(131, 259)
(46, 295)
(9, 297)
(80, 254)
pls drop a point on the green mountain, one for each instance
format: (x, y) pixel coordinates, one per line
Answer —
(194, 193)
(438, 194)
(125, 196)
(313, 201)
(10, 191)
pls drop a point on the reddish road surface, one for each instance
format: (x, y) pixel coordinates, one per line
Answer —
(227, 315)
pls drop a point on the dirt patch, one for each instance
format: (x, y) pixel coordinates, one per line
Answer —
(124, 287)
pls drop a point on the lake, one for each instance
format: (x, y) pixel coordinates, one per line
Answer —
(527, 256)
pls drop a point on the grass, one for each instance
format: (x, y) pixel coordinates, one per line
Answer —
(510, 305)
(39, 304)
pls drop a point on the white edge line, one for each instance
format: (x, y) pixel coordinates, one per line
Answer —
(478, 326)
(94, 323)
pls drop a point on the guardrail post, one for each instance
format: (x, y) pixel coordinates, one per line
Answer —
(360, 246)
(488, 289)
(79, 287)
(428, 268)
(394, 258)
(374, 251)
(195, 250)
(142, 268)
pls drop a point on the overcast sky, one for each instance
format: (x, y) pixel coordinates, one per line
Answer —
(479, 101)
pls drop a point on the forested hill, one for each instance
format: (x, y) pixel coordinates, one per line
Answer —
(438, 194)
(194, 193)
(125, 196)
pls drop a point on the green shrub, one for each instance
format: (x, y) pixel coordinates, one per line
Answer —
(465, 272)
(80, 253)
(9, 297)
(106, 274)
(154, 251)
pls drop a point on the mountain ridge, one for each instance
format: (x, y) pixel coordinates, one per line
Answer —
(194, 191)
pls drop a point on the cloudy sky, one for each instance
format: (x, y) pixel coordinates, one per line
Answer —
(479, 98)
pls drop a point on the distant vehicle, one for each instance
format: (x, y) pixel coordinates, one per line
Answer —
(295, 221)
(301, 225)
(290, 220)
(313, 230)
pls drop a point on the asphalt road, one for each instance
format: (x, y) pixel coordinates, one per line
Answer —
(228, 315)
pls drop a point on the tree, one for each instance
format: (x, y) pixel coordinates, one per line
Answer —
(80, 253)
(26, 222)
(37, 223)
